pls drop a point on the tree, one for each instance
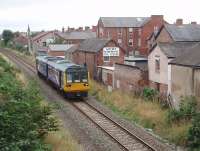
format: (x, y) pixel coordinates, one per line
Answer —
(7, 36)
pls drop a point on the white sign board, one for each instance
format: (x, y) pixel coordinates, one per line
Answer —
(111, 51)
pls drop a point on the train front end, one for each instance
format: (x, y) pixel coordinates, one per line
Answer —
(77, 82)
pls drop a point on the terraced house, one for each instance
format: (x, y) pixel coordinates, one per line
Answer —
(172, 41)
(130, 33)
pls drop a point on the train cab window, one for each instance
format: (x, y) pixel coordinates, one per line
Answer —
(84, 77)
(76, 77)
(69, 77)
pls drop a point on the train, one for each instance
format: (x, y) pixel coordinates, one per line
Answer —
(69, 78)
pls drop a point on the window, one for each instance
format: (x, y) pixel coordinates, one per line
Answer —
(119, 32)
(69, 77)
(101, 32)
(106, 58)
(139, 42)
(130, 42)
(130, 35)
(130, 30)
(44, 44)
(119, 41)
(139, 32)
(155, 29)
(108, 34)
(157, 63)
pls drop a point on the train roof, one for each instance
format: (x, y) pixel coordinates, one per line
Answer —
(57, 62)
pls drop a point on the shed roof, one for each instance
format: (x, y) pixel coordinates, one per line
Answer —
(124, 21)
(191, 58)
(77, 35)
(173, 50)
(93, 45)
(60, 47)
(186, 32)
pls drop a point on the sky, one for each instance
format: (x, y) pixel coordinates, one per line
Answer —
(54, 14)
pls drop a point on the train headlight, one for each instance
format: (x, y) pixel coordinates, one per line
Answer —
(85, 84)
(68, 85)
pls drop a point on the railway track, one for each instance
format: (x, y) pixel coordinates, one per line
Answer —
(122, 136)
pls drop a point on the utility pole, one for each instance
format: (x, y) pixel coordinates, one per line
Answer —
(29, 41)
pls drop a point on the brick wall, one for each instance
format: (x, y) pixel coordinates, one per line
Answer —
(129, 78)
(162, 88)
(96, 59)
(156, 21)
(56, 53)
(146, 30)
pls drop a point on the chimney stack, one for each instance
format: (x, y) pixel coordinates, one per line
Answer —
(193, 22)
(87, 28)
(63, 30)
(179, 21)
(94, 28)
(157, 17)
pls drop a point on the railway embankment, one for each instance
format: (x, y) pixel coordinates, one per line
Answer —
(167, 124)
(27, 121)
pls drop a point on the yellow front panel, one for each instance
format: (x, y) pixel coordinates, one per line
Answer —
(76, 87)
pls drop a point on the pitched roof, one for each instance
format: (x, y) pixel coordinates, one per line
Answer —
(187, 32)
(93, 45)
(124, 21)
(72, 49)
(173, 50)
(77, 35)
(60, 47)
(191, 58)
(41, 34)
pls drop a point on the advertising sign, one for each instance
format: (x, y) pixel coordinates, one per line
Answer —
(111, 51)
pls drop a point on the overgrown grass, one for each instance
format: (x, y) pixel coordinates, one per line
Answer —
(62, 140)
(148, 114)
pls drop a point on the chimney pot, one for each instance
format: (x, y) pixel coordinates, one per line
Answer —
(193, 22)
(179, 21)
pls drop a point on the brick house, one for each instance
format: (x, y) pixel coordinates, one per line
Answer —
(58, 49)
(41, 41)
(98, 52)
(185, 75)
(158, 59)
(131, 33)
(21, 40)
(75, 37)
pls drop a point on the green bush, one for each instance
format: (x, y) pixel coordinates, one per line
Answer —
(149, 93)
(186, 111)
(23, 120)
(194, 133)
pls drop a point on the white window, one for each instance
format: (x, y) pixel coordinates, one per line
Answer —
(106, 58)
(118, 84)
(130, 42)
(139, 42)
(155, 29)
(139, 32)
(119, 41)
(119, 32)
(101, 31)
(130, 30)
(157, 64)
(108, 34)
